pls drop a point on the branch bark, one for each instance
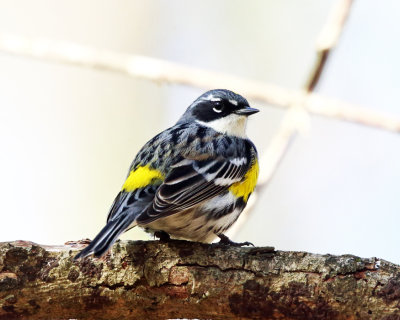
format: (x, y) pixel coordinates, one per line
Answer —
(178, 279)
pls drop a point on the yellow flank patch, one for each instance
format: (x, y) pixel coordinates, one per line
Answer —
(141, 177)
(246, 187)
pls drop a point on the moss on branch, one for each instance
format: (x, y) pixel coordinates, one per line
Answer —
(178, 279)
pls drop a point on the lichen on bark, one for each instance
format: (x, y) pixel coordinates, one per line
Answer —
(180, 279)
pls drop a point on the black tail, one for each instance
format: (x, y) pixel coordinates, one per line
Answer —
(106, 237)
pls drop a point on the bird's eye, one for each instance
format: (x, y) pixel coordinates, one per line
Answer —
(218, 107)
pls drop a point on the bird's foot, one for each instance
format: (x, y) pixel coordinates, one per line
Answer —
(162, 235)
(228, 242)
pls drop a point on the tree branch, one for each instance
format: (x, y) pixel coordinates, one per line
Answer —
(297, 118)
(178, 279)
(168, 72)
(328, 39)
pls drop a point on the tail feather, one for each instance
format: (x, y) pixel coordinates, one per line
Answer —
(106, 237)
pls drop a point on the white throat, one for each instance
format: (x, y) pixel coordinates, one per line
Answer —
(233, 125)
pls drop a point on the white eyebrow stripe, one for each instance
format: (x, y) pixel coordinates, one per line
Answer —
(215, 99)
(234, 102)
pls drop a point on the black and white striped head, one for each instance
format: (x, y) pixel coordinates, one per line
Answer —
(222, 110)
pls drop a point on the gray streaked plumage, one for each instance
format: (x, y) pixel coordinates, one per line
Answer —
(199, 158)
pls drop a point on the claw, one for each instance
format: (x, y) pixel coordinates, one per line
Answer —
(228, 242)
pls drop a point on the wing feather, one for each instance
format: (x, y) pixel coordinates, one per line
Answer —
(191, 182)
(132, 202)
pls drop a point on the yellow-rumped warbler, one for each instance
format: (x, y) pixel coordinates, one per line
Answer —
(192, 180)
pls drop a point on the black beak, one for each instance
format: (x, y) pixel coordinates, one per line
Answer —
(246, 111)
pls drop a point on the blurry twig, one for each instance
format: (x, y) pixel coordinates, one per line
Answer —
(140, 67)
(327, 40)
(168, 72)
(297, 117)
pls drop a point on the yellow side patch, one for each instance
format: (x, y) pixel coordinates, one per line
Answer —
(141, 177)
(246, 187)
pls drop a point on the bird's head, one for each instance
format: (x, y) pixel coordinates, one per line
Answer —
(222, 110)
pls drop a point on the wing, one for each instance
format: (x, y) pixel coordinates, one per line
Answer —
(126, 207)
(191, 182)
(134, 202)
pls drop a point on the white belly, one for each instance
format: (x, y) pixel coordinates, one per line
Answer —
(197, 224)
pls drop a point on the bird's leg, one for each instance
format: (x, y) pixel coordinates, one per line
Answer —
(226, 241)
(162, 235)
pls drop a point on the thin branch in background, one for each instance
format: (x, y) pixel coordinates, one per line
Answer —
(140, 67)
(328, 39)
(167, 72)
(336, 109)
(297, 116)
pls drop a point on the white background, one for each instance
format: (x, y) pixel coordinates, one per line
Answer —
(68, 134)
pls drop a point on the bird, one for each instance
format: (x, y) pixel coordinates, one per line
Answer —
(192, 180)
